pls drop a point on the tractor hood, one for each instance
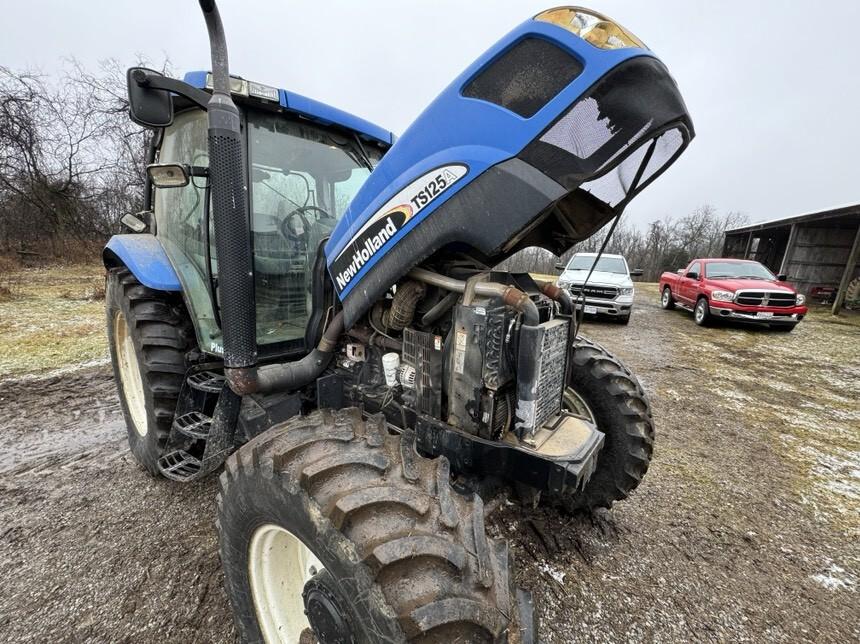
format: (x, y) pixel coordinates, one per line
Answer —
(540, 142)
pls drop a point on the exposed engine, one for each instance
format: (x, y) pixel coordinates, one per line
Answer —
(477, 351)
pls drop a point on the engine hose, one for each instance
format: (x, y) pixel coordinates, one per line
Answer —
(402, 310)
(292, 375)
(368, 337)
(558, 294)
(510, 295)
(439, 309)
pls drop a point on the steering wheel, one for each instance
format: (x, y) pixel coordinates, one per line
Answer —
(301, 210)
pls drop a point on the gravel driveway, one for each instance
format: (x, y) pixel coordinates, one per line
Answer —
(745, 529)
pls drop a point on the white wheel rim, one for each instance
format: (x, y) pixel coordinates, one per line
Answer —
(129, 374)
(576, 404)
(700, 312)
(665, 297)
(279, 566)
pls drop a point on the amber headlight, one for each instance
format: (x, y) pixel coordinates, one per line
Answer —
(592, 27)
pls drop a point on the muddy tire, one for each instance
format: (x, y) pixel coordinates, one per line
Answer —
(602, 388)
(666, 300)
(402, 556)
(149, 334)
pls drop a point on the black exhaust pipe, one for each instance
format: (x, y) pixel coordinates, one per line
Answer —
(233, 243)
(230, 215)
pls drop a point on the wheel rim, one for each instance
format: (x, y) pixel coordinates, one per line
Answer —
(665, 297)
(279, 566)
(576, 404)
(700, 311)
(129, 374)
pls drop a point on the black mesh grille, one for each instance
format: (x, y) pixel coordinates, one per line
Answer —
(233, 243)
(525, 77)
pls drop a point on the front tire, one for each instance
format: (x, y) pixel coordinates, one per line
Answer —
(392, 552)
(148, 334)
(604, 391)
(702, 312)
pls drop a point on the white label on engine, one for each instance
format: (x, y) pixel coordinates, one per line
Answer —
(460, 352)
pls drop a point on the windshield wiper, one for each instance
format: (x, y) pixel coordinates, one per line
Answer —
(364, 156)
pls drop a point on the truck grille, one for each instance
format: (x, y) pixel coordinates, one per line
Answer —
(602, 292)
(766, 298)
(551, 379)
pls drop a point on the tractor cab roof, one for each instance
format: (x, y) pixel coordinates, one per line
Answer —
(305, 107)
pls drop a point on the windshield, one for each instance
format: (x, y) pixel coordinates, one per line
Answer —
(747, 270)
(302, 177)
(604, 264)
(302, 180)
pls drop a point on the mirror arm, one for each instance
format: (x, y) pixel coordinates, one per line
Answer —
(197, 96)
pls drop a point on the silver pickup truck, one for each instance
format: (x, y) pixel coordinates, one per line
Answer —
(609, 290)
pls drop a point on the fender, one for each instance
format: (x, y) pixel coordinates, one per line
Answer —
(145, 257)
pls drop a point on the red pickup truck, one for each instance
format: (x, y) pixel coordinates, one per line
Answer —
(733, 289)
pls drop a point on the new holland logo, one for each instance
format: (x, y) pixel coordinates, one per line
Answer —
(372, 239)
(389, 219)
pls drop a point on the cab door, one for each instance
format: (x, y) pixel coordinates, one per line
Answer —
(689, 286)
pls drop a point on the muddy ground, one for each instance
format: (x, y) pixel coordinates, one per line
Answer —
(745, 529)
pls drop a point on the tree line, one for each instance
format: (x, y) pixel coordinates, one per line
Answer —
(666, 244)
(71, 162)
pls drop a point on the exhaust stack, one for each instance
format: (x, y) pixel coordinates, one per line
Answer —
(230, 215)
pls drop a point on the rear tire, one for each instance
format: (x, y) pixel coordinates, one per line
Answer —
(666, 299)
(602, 388)
(148, 334)
(405, 557)
(702, 312)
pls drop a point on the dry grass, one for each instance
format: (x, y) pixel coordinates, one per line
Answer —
(54, 318)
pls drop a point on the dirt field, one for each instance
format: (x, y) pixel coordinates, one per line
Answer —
(745, 529)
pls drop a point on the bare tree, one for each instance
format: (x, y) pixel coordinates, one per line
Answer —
(71, 162)
(665, 244)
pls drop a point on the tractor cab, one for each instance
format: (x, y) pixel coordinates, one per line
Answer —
(304, 162)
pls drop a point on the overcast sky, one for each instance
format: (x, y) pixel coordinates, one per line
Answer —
(773, 86)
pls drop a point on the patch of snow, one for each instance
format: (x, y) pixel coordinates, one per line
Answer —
(836, 578)
(96, 362)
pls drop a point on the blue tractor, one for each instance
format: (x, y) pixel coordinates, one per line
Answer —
(314, 305)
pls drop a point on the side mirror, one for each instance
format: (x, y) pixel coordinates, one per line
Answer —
(137, 223)
(168, 175)
(782, 277)
(637, 272)
(148, 106)
(560, 267)
(693, 275)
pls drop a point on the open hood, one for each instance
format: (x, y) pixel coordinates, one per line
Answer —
(540, 142)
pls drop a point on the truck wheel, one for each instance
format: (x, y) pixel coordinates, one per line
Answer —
(624, 319)
(148, 334)
(329, 523)
(666, 299)
(702, 312)
(604, 391)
